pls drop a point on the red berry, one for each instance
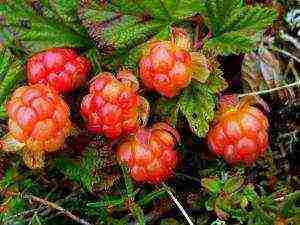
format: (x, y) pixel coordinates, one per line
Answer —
(61, 68)
(239, 134)
(39, 118)
(113, 105)
(149, 153)
(167, 68)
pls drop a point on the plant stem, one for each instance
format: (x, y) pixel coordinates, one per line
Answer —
(285, 53)
(180, 207)
(269, 90)
(57, 207)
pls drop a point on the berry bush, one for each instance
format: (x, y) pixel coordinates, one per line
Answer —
(149, 112)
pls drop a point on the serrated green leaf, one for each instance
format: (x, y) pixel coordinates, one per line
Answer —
(126, 24)
(213, 185)
(34, 27)
(234, 42)
(111, 29)
(182, 9)
(66, 11)
(255, 18)
(177, 9)
(197, 104)
(218, 11)
(235, 26)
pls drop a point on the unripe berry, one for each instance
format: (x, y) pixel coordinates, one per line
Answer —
(149, 153)
(39, 118)
(113, 106)
(60, 68)
(239, 134)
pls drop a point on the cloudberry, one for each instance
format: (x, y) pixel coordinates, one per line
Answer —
(60, 68)
(39, 119)
(167, 66)
(239, 134)
(149, 153)
(113, 106)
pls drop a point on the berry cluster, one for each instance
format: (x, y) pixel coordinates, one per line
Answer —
(239, 134)
(149, 153)
(39, 118)
(60, 68)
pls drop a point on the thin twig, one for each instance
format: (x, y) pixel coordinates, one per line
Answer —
(285, 53)
(57, 207)
(180, 207)
(269, 90)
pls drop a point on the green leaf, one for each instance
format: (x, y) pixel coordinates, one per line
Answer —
(111, 29)
(290, 207)
(218, 12)
(255, 18)
(234, 42)
(126, 24)
(197, 103)
(94, 57)
(215, 82)
(107, 201)
(250, 194)
(168, 109)
(34, 27)
(82, 172)
(137, 213)
(233, 184)
(183, 9)
(11, 74)
(150, 197)
(128, 181)
(213, 185)
(7, 179)
(235, 26)
(209, 203)
(66, 11)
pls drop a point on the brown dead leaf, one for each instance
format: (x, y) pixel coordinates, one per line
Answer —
(260, 71)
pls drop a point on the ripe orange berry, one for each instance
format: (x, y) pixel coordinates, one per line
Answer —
(113, 106)
(39, 118)
(60, 68)
(239, 134)
(149, 153)
(167, 67)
